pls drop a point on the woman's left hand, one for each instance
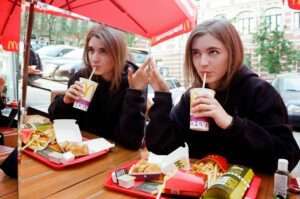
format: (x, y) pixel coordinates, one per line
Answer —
(2, 84)
(208, 106)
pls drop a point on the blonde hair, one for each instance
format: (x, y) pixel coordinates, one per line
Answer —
(226, 33)
(116, 46)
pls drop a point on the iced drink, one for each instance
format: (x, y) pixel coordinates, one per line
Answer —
(199, 123)
(89, 88)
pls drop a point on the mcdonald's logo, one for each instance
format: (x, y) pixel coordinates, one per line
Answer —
(88, 89)
(186, 26)
(12, 45)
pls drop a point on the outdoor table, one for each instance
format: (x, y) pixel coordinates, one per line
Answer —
(8, 186)
(86, 180)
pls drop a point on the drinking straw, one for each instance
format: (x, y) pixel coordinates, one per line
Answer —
(204, 80)
(91, 75)
(161, 188)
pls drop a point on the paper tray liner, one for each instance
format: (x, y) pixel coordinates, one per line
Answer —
(76, 161)
(109, 184)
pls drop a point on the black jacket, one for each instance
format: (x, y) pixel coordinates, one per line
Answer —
(34, 59)
(259, 134)
(117, 115)
(10, 164)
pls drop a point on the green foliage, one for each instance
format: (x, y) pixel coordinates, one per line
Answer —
(275, 52)
(63, 30)
(130, 39)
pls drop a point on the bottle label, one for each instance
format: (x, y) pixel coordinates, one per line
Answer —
(280, 185)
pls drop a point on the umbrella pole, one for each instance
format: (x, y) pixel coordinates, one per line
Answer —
(27, 53)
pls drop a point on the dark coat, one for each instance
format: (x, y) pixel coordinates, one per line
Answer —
(117, 115)
(259, 134)
(34, 59)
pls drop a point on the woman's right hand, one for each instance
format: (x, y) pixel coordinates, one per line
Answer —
(156, 80)
(139, 79)
(73, 93)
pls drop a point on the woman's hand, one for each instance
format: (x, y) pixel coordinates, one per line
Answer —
(2, 84)
(208, 106)
(156, 80)
(33, 71)
(139, 79)
(73, 93)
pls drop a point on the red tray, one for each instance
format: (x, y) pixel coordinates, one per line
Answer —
(61, 166)
(109, 184)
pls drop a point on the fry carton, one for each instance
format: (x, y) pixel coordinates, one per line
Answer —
(185, 184)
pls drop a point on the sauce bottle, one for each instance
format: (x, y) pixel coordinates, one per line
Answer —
(281, 179)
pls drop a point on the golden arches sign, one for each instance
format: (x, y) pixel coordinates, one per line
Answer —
(12, 45)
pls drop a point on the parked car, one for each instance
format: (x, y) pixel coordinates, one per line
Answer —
(175, 88)
(63, 67)
(51, 52)
(288, 86)
(138, 56)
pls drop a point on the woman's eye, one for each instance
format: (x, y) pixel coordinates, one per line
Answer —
(213, 52)
(102, 50)
(196, 53)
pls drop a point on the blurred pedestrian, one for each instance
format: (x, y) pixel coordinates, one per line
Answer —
(34, 67)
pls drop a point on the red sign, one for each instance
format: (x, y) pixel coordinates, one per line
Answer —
(10, 44)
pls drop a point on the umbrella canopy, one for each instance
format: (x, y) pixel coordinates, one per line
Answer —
(293, 4)
(10, 21)
(155, 19)
(10, 24)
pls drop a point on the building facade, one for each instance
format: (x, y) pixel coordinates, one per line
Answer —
(246, 15)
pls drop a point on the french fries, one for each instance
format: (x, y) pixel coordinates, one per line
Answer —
(209, 168)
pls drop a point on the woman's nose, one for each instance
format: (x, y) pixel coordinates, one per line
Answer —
(95, 57)
(204, 60)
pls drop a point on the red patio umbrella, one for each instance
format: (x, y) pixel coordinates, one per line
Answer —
(10, 21)
(10, 24)
(293, 4)
(157, 20)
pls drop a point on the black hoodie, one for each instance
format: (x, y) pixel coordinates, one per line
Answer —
(117, 115)
(259, 134)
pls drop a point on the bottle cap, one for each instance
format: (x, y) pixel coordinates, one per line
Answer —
(283, 165)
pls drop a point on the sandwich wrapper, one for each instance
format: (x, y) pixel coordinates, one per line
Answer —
(66, 130)
(98, 144)
(176, 166)
(169, 164)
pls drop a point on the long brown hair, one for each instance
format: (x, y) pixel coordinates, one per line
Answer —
(226, 33)
(115, 44)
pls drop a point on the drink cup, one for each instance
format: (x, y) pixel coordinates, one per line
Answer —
(89, 88)
(199, 123)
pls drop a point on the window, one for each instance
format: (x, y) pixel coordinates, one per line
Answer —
(245, 22)
(8, 64)
(297, 20)
(273, 19)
